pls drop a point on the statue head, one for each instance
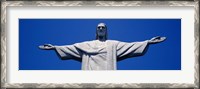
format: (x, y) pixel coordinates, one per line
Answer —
(101, 32)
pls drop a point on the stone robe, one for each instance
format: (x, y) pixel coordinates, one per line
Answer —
(96, 55)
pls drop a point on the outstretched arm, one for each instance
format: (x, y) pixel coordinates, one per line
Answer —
(127, 50)
(65, 52)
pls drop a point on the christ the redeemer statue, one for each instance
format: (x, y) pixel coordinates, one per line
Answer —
(102, 54)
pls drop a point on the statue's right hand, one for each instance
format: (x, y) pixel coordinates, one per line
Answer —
(47, 47)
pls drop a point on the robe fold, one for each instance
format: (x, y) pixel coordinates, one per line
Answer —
(96, 57)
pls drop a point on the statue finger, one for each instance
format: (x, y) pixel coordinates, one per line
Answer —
(162, 38)
(49, 45)
(157, 37)
(42, 47)
(154, 38)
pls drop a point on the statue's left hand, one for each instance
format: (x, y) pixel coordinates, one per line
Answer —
(47, 47)
(157, 39)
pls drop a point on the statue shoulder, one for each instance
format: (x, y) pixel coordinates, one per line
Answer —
(84, 45)
(113, 41)
(84, 42)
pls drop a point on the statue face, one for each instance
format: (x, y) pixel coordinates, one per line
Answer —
(101, 29)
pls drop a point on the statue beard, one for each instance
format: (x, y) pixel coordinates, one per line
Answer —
(101, 38)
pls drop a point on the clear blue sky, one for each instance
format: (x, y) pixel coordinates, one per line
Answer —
(35, 32)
